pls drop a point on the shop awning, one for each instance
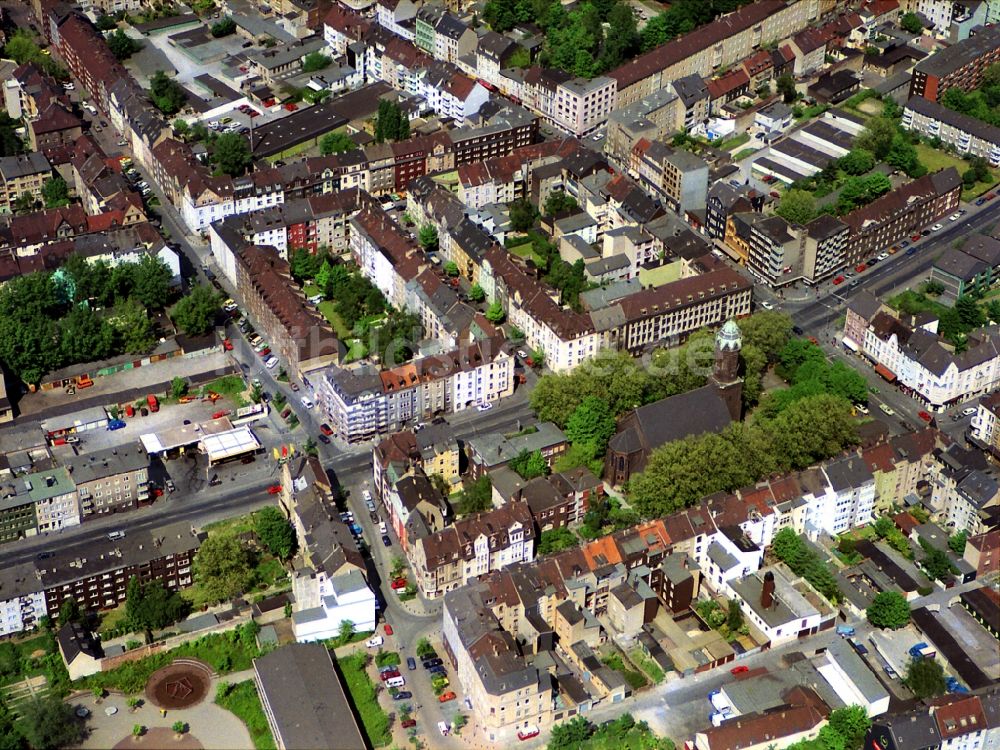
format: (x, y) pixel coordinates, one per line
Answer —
(849, 344)
(886, 373)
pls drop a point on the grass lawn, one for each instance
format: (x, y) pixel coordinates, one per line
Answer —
(635, 679)
(728, 144)
(243, 701)
(226, 652)
(745, 153)
(912, 302)
(356, 350)
(526, 251)
(935, 159)
(230, 386)
(647, 665)
(310, 290)
(327, 310)
(362, 694)
(447, 179)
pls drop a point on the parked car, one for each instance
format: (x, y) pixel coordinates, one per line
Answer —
(484, 407)
(402, 695)
(307, 402)
(386, 540)
(937, 228)
(399, 583)
(171, 487)
(527, 733)
(325, 429)
(969, 411)
(387, 628)
(434, 662)
(323, 439)
(389, 675)
(408, 723)
(274, 489)
(411, 663)
(887, 410)
(271, 362)
(115, 424)
(445, 697)
(742, 669)
(925, 416)
(440, 669)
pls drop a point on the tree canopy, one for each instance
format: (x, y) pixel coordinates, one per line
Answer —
(925, 677)
(336, 142)
(889, 610)
(123, 46)
(231, 154)
(275, 532)
(224, 566)
(151, 606)
(48, 723)
(529, 464)
(55, 192)
(911, 22)
(391, 123)
(195, 313)
(591, 423)
(168, 95)
(797, 206)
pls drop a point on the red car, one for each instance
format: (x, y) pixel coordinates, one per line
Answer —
(399, 583)
(253, 113)
(914, 238)
(838, 280)
(274, 489)
(925, 416)
(325, 429)
(264, 352)
(814, 340)
(269, 102)
(860, 268)
(407, 723)
(227, 345)
(388, 629)
(291, 106)
(739, 670)
(775, 194)
(220, 414)
(990, 196)
(445, 697)
(527, 733)
(389, 675)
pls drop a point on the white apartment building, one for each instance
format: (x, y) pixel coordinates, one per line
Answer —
(342, 597)
(24, 600)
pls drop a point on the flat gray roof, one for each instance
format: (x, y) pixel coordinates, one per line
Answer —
(304, 700)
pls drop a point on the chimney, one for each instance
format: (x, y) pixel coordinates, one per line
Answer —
(767, 591)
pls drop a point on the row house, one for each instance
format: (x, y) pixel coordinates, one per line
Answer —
(20, 175)
(472, 547)
(96, 573)
(29, 92)
(429, 451)
(397, 16)
(297, 334)
(415, 509)
(918, 358)
(506, 178)
(985, 426)
(558, 500)
(343, 27)
(901, 212)
(110, 480)
(967, 135)
(82, 47)
(363, 403)
(722, 43)
(676, 176)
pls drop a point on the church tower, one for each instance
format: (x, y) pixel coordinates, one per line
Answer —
(726, 371)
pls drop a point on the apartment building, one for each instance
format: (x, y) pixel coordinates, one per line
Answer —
(969, 722)
(363, 403)
(96, 573)
(779, 253)
(712, 47)
(985, 427)
(574, 105)
(677, 177)
(965, 134)
(961, 65)
(20, 175)
(297, 334)
(654, 117)
(473, 546)
(921, 361)
(111, 480)
(901, 212)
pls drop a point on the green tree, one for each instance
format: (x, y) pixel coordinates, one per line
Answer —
(428, 239)
(476, 293)
(956, 542)
(970, 314)
(315, 61)
(529, 464)
(195, 313)
(734, 616)
(345, 631)
(231, 154)
(224, 566)
(275, 532)
(477, 496)
(851, 723)
(123, 46)
(224, 27)
(911, 22)
(151, 606)
(768, 330)
(179, 727)
(797, 207)
(55, 192)
(570, 735)
(785, 86)
(391, 123)
(304, 264)
(591, 422)
(558, 201)
(48, 723)
(135, 330)
(178, 387)
(877, 137)
(857, 161)
(519, 58)
(925, 677)
(888, 610)
(69, 611)
(168, 95)
(336, 142)
(556, 540)
(495, 312)
(937, 565)
(151, 282)
(105, 22)
(522, 215)
(21, 47)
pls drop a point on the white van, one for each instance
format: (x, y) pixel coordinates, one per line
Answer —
(395, 682)
(382, 528)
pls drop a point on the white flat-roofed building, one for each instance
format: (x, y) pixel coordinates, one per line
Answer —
(226, 446)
